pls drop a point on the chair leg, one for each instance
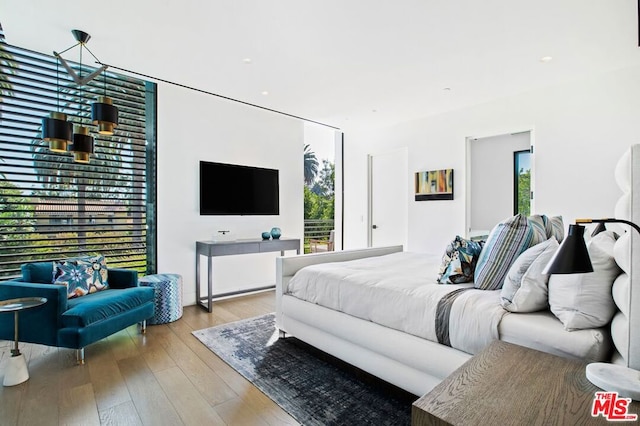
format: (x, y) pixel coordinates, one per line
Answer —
(143, 327)
(80, 356)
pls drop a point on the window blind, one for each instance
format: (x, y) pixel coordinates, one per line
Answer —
(53, 208)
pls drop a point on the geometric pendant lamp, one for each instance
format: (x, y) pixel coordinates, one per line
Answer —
(104, 115)
(82, 146)
(58, 131)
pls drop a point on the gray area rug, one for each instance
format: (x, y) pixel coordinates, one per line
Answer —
(313, 387)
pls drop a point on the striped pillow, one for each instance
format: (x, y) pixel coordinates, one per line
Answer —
(506, 241)
(539, 223)
(555, 228)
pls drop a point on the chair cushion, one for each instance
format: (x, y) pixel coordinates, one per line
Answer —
(82, 276)
(38, 272)
(107, 304)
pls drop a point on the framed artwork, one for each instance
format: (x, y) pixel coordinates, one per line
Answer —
(434, 185)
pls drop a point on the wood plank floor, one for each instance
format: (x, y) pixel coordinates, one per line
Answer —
(165, 377)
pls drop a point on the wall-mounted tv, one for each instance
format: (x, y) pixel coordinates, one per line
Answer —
(230, 189)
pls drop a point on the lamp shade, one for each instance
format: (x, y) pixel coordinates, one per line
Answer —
(601, 227)
(57, 131)
(105, 115)
(82, 146)
(572, 256)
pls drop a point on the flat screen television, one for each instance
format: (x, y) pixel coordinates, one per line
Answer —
(230, 189)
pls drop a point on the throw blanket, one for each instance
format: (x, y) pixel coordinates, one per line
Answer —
(400, 291)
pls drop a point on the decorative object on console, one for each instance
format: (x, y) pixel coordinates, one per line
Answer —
(266, 235)
(434, 185)
(459, 261)
(276, 233)
(573, 257)
(55, 128)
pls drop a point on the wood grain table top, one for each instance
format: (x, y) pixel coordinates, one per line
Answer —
(507, 384)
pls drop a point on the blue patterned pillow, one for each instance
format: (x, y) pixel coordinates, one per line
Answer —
(506, 241)
(459, 261)
(81, 276)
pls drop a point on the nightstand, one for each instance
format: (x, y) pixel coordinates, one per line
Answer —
(507, 384)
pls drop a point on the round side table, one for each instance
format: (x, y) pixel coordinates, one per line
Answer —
(16, 371)
(168, 297)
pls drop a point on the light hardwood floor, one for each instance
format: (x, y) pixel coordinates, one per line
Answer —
(165, 377)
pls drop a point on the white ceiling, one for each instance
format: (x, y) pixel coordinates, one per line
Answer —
(343, 62)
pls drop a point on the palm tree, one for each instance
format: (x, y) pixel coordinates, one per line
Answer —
(310, 165)
(8, 68)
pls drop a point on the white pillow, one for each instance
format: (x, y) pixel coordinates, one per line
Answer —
(584, 300)
(525, 287)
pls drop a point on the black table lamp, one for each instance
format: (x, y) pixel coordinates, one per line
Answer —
(572, 257)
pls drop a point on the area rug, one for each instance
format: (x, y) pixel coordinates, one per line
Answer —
(314, 388)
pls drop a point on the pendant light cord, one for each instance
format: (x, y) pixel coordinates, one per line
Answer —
(58, 83)
(104, 73)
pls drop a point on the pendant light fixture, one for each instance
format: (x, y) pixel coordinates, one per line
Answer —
(82, 146)
(57, 131)
(55, 128)
(104, 114)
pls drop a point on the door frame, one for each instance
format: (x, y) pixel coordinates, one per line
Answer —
(405, 151)
(468, 141)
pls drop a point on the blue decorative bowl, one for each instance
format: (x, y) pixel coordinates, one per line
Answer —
(276, 233)
(266, 235)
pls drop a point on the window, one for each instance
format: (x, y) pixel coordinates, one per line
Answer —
(522, 182)
(107, 206)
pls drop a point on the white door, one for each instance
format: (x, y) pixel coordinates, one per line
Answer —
(388, 198)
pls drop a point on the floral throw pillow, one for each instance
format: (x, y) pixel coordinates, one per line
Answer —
(459, 261)
(81, 276)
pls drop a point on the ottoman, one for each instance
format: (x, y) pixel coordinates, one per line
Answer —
(168, 297)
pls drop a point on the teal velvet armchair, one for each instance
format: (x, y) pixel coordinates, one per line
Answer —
(78, 322)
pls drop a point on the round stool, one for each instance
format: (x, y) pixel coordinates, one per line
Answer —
(168, 297)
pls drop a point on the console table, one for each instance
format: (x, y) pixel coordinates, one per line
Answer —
(510, 384)
(211, 249)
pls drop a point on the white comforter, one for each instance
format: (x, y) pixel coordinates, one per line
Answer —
(400, 291)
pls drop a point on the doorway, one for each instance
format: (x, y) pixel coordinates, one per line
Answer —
(388, 198)
(494, 190)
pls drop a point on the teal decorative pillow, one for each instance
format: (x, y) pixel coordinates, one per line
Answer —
(81, 276)
(459, 261)
(506, 241)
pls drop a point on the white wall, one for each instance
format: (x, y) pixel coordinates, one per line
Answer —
(193, 126)
(580, 130)
(491, 181)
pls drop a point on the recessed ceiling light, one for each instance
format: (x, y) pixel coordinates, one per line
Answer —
(374, 110)
(546, 59)
(447, 89)
(247, 60)
(265, 93)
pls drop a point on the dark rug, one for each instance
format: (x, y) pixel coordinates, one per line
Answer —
(313, 387)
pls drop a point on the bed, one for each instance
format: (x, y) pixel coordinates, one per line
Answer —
(389, 324)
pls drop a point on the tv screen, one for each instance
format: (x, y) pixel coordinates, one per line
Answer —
(229, 189)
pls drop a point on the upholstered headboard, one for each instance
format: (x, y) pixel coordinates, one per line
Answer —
(625, 327)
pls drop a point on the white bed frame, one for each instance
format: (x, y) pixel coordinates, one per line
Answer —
(417, 365)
